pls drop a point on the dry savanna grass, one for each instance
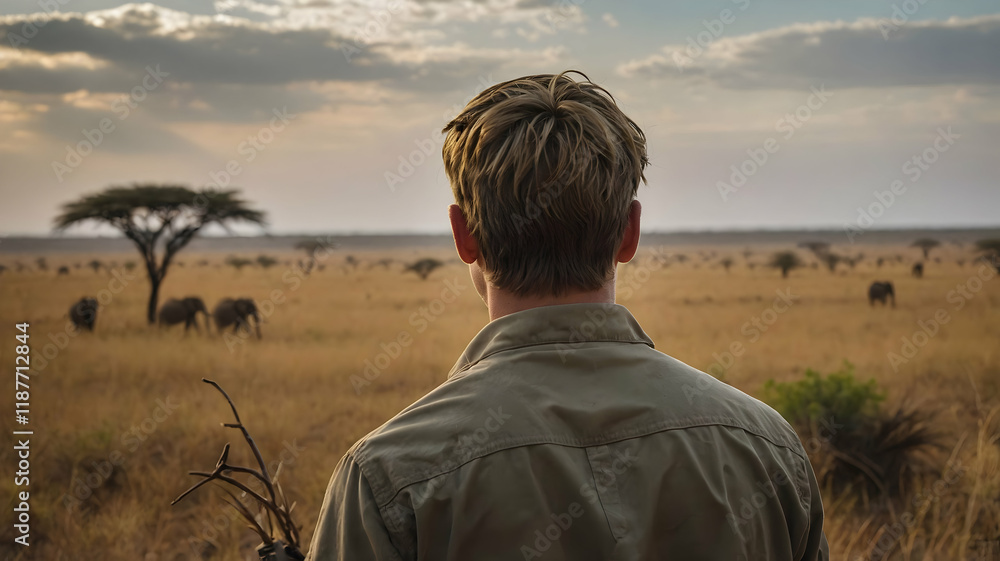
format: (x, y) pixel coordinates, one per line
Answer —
(120, 415)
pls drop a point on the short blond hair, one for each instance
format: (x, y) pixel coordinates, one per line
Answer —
(545, 169)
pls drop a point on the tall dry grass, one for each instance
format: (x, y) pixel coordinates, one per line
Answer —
(102, 397)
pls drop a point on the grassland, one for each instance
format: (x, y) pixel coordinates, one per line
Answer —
(130, 394)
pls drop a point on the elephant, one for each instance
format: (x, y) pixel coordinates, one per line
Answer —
(881, 291)
(64, 270)
(236, 313)
(84, 313)
(918, 270)
(175, 311)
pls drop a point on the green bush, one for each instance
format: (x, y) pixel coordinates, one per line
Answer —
(837, 397)
(849, 438)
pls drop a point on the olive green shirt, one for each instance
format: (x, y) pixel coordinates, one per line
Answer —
(561, 434)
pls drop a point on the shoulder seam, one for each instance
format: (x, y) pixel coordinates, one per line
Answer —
(599, 440)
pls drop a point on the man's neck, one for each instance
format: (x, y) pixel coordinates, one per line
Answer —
(502, 303)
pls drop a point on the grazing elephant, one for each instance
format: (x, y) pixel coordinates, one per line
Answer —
(175, 311)
(918, 270)
(881, 291)
(84, 313)
(236, 313)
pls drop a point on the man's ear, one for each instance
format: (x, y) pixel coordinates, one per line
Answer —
(630, 242)
(468, 248)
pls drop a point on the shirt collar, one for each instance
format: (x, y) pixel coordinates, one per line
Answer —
(567, 324)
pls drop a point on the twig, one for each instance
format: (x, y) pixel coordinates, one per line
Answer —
(273, 504)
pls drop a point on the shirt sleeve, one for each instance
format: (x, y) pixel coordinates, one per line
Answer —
(350, 526)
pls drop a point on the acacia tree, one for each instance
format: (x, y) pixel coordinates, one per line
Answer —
(424, 267)
(926, 245)
(158, 215)
(786, 261)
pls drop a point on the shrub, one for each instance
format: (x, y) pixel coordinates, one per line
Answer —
(850, 440)
(837, 398)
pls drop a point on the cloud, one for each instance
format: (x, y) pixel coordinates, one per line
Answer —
(866, 53)
(221, 49)
(610, 20)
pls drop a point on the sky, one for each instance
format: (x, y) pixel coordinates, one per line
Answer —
(326, 113)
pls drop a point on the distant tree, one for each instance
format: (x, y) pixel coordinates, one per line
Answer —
(238, 262)
(63, 270)
(726, 263)
(817, 248)
(96, 265)
(831, 260)
(424, 267)
(351, 262)
(988, 246)
(990, 251)
(786, 261)
(266, 261)
(926, 245)
(42, 264)
(307, 266)
(2, 268)
(129, 265)
(154, 216)
(313, 247)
